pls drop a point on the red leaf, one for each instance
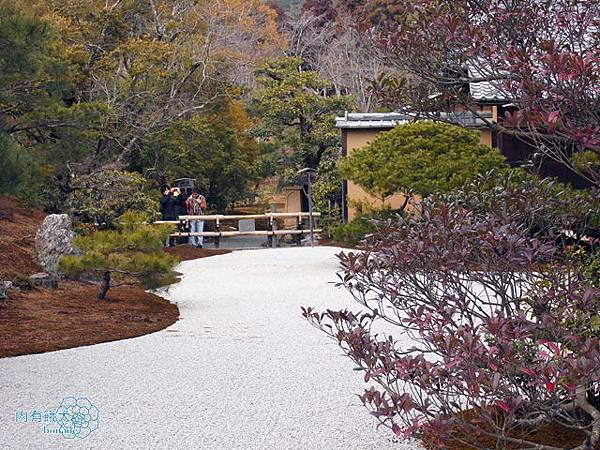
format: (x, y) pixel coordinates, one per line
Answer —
(555, 348)
(396, 429)
(553, 117)
(503, 406)
(550, 387)
(527, 371)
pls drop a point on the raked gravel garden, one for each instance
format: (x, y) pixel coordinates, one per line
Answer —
(241, 369)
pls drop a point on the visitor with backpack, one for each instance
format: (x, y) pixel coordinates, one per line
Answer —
(196, 204)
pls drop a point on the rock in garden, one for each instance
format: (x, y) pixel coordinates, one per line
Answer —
(53, 240)
(4, 287)
(44, 280)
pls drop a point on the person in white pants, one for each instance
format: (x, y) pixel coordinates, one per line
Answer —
(195, 205)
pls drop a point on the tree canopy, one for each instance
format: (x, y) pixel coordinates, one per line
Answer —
(133, 251)
(421, 157)
(297, 109)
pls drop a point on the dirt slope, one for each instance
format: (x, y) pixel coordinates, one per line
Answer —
(17, 239)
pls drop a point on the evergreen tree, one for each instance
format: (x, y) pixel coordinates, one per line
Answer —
(133, 251)
(297, 111)
(422, 157)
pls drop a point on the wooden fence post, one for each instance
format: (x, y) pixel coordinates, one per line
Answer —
(218, 230)
(299, 226)
(270, 232)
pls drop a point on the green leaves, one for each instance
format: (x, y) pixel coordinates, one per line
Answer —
(423, 157)
(209, 150)
(297, 111)
(134, 250)
(103, 196)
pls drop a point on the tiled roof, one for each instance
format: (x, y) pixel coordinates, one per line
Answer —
(372, 120)
(483, 91)
(390, 120)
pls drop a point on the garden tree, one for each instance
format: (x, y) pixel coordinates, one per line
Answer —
(11, 166)
(338, 53)
(556, 206)
(497, 330)
(281, 16)
(297, 111)
(103, 196)
(133, 251)
(324, 10)
(421, 157)
(37, 97)
(541, 57)
(158, 62)
(40, 113)
(327, 189)
(214, 149)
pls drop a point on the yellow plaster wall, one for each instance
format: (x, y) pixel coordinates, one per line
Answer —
(359, 138)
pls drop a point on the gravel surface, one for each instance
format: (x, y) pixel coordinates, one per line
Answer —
(240, 370)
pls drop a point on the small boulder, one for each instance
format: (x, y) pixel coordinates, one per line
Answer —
(4, 287)
(53, 240)
(44, 280)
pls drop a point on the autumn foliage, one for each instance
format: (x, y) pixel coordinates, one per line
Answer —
(541, 58)
(463, 312)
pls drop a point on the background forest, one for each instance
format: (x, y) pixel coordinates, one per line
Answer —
(493, 268)
(228, 92)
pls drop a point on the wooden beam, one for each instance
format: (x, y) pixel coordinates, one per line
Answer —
(244, 233)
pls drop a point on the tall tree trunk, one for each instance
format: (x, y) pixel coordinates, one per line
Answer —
(104, 287)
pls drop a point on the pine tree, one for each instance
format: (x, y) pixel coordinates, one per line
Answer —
(133, 251)
(420, 157)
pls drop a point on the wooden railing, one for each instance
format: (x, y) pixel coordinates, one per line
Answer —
(299, 232)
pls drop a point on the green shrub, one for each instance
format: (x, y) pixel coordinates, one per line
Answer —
(101, 197)
(133, 251)
(536, 204)
(592, 268)
(352, 233)
(420, 157)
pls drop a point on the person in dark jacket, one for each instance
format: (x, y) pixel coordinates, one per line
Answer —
(170, 208)
(168, 204)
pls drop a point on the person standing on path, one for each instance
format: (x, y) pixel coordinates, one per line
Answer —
(196, 204)
(170, 204)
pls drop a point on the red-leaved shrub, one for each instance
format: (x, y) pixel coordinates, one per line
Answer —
(464, 312)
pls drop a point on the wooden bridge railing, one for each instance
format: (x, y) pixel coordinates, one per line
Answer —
(299, 232)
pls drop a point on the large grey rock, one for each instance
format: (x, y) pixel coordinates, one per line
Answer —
(53, 240)
(4, 287)
(44, 280)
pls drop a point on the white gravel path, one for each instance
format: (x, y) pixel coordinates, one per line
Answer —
(241, 369)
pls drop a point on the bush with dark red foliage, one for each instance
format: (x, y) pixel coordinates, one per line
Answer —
(542, 57)
(464, 311)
